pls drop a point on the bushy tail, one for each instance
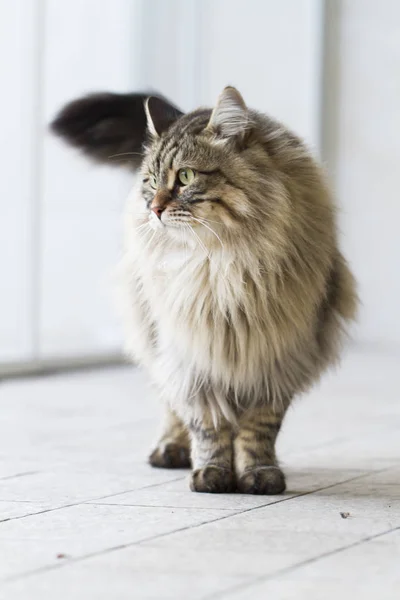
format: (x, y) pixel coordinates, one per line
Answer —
(104, 125)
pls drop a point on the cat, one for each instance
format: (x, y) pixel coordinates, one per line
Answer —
(235, 291)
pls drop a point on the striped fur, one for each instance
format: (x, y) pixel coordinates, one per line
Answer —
(236, 300)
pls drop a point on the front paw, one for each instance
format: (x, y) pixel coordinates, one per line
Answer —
(262, 480)
(170, 456)
(212, 480)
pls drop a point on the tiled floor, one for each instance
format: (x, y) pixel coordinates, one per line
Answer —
(83, 517)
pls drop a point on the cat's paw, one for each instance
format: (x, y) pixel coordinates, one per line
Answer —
(212, 480)
(170, 456)
(262, 480)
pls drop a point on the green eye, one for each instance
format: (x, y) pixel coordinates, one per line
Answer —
(186, 176)
(153, 182)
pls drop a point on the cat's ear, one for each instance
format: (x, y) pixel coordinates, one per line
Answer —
(160, 115)
(230, 117)
(105, 125)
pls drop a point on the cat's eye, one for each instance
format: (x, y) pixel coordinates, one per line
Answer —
(185, 176)
(153, 182)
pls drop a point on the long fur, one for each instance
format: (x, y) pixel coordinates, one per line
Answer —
(250, 307)
(233, 288)
(108, 127)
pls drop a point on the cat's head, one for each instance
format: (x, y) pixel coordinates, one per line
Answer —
(202, 168)
(193, 172)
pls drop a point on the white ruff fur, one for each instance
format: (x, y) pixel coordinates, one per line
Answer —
(237, 296)
(184, 315)
(199, 318)
(174, 293)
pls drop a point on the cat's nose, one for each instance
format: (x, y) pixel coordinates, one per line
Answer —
(159, 203)
(158, 210)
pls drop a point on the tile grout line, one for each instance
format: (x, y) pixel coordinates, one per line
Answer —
(262, 578)
(288, 497)
(18, 475)
(94, 503)
(180, 529)
(80, 503)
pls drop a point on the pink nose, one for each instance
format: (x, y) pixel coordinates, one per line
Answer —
(158, 210)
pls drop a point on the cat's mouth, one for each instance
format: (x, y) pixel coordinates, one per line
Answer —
(155, 223)
(172, 220)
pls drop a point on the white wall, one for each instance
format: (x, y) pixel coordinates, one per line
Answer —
(18, 180)
(81, 204)
(362, 147)
(60, 217)
(272, 51)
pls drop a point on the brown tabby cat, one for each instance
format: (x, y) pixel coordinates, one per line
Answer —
(235, 290)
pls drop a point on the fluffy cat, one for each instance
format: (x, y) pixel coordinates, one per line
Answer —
(235, 291)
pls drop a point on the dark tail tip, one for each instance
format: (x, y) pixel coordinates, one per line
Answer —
(102, 125)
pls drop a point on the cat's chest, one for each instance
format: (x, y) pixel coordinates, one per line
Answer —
(172, 261)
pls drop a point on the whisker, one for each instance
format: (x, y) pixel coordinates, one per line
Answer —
(126, 154)
(183, 243)
(209, 220)
(199, 240)
(210, 229)
(148, 243)
(187, 249)
(145, 234)
(143, 225)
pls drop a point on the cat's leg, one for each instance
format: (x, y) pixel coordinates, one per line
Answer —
(173, 448)
(256, 467)
(212, 456)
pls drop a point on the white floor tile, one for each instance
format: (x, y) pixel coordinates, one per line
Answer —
(66, 486)
(14, 510)
(370, 570)
(105, 581)
(77, 531)
(84, 515)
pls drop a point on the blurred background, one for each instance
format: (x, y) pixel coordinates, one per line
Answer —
(330, 70)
